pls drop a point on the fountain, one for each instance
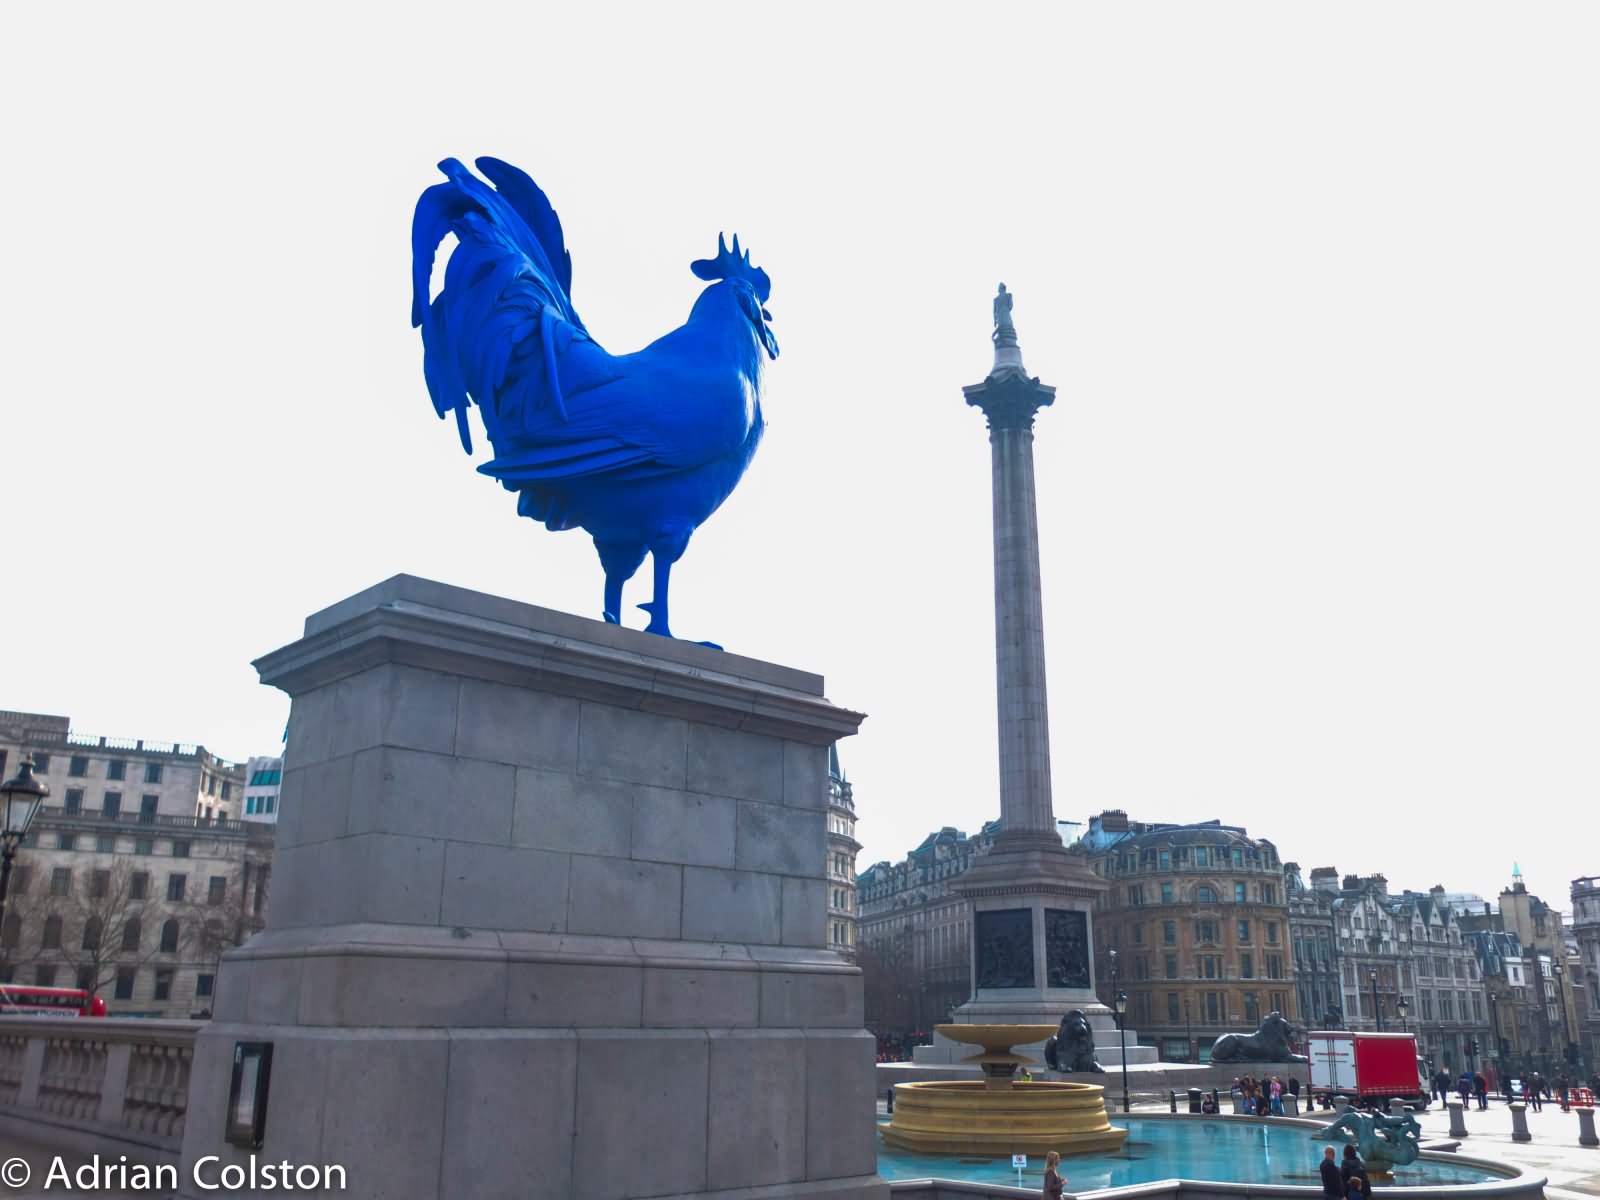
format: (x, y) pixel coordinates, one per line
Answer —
(997, 1114)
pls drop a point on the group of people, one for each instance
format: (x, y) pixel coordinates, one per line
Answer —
(1345, 1180)
(1468, 1086)
(1263, 1097)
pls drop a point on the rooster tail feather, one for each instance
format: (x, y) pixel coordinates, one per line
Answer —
(533, 206)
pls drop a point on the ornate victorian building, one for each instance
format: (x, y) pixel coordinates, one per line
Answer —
(1200, 918)
(843, 908)
(1313, 934)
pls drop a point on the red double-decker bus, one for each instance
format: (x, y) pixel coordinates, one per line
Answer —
(17, 1000)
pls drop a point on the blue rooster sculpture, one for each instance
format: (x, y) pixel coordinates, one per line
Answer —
(636, 449)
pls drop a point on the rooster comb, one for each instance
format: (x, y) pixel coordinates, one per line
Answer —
(730, 264)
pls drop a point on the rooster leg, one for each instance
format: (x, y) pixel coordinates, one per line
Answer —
(620, 560)
(662, 555)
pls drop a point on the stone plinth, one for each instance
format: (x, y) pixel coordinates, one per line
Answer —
(548, 917)
(1519, 1122)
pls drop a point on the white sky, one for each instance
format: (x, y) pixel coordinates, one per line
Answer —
(1316, 284)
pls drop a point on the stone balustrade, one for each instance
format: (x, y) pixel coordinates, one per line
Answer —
(97, 1086)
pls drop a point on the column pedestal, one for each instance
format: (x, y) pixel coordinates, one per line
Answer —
(547, 918)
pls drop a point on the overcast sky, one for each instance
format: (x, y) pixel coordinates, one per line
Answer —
(1316, 285)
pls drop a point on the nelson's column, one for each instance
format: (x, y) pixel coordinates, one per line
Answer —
(1032, 947)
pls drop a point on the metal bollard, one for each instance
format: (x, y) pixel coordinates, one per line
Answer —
(1172, 1101)
(891, 1098)
(1194, 1100)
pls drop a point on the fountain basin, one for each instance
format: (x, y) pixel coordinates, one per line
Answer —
(966, 1116)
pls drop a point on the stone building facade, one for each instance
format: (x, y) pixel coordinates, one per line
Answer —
(843, 908)
(1551, 969)
(136, 875)
(1313, 936)
(915, 956)
(1200, 918)
(1586, 936)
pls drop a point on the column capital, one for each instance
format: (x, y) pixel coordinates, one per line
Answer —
(1009, 399)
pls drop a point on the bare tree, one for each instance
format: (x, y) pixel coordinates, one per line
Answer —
(109, 921)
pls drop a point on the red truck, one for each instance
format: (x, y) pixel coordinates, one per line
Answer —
(1367, 1066)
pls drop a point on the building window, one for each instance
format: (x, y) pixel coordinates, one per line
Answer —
(1274, 966)
(105, 843)
(1244, 931)
(272, 803)
(180, 849)
(85, 979)
(1172, 966)
(61, 881)
(1269, 893)
(1166, 893)
(175, 888)
(139, 885)
(1247, 967)
(152, 772)
(91, 933)
(99, 883)
(66, 841)
(51, 939)
(1169, 933)
(117, 768)
(1252, 1009)
(111, 805)
(227, 790)
(41, 763)
(74, 800)
(11, 932)
(1202, 856)
(169, 936)
(1238, 892)
(144, 845)
(1172, 1008)
(1166, 860)
(203, 984)
(1138, 935)
(1272, 933)
(132, 932)
(1205, 931)
(1204, 895)
(125, 977)
(78, 766)
(44, 975)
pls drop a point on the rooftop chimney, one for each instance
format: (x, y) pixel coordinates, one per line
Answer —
(1114, 820)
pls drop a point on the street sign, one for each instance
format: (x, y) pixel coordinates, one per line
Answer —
(1019, 1161)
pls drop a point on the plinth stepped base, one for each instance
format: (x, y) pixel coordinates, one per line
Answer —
(966, 1117)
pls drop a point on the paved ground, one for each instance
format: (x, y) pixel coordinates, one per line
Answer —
(1573, 1170)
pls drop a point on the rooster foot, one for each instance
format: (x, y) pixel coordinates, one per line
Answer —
(658, 625)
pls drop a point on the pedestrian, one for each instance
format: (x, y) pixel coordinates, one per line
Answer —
(1353, 1175)
(1332, 1181)
(1535, 1100)
(1276, 1091)
(1480, 1086)
(1053, 1180)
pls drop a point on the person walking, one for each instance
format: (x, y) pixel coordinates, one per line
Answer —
(1535, 1099)
(1353, 1175)
(1332, 1180)
(1054, 1181)
(1480, 1087)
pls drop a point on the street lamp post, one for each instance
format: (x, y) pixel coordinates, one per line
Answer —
(1119, 1004)
(20, 798)
(1188, 1034)
(1403, 1007)
(1377, 1005)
